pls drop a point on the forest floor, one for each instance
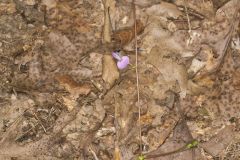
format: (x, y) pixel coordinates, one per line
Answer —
(67, 90)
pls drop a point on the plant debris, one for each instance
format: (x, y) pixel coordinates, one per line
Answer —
(119, 79)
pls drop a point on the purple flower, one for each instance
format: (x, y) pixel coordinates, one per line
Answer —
(117, 56)
(123, 61)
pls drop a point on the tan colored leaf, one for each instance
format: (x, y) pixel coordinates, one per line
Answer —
(74, 88)
(110, 72)
(170, 70)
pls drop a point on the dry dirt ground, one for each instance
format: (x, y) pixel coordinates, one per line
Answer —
(64, 96)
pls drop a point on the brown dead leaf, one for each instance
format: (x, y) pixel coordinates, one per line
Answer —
(164, 9)
(108, 5)
(170, 70)
(74, 88)
(110, 72)
(126, 35)
(200, 85)
(220, 141)
(146, 119)
(203, 7)
(82, 25)
(219, 3)
(157, 137)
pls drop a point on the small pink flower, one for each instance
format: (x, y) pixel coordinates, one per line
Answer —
(123, 61)
(117, 55)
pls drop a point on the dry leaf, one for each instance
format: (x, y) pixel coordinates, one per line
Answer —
(146, 119)
(165, 10)
(220, 141)
(126, 35)
(72, 86)
(108, 4)
(157, 137)
(117, 154)
(170, 70)
(110, 72)
(219, 3)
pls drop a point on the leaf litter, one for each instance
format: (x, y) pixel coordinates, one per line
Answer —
(112, 80)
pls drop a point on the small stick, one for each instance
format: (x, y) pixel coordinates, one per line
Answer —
(26, 132)
(188, 19)
(137, 77)
(93, 153)
(50, 113)
(40, 123)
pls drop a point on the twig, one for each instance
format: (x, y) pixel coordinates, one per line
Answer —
(188, 19)
(12, 128)
(93, 153)
(50, 113)
(190, 145)
(19, 137)
(137, 78)
(40, 122)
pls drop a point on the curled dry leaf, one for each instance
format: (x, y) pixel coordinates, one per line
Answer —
(110, 72)
(74, 88)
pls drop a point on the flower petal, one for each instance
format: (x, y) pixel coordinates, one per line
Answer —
(117, 56)
(123, 63)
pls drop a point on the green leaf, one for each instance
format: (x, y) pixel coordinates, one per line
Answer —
(141, 157)
(193, 144)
